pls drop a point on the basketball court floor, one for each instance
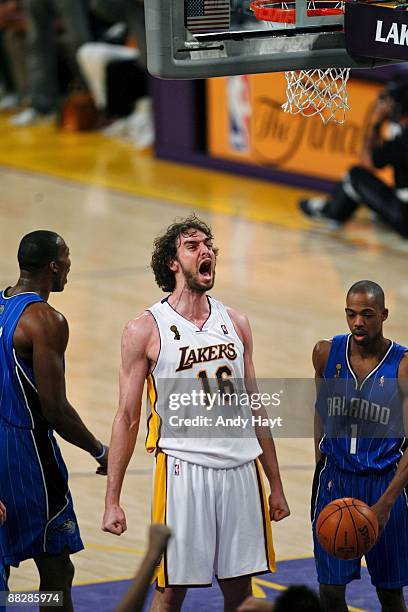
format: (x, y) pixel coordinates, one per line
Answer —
(109, 202)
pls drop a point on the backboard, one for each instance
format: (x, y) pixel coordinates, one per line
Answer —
(209, 38)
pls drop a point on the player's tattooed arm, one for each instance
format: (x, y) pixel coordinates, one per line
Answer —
(278, 506)
(319, 358)
(384, 505)
(135, 364)
(47, 332)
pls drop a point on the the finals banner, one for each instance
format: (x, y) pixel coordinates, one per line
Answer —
(245, 123)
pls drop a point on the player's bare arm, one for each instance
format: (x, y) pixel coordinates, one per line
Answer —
(140, 345)
(3, 513)
(43, 335)
(278, 506)
(320, 356)
(384, 505)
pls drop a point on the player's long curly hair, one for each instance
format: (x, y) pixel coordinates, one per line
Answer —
(165, 249)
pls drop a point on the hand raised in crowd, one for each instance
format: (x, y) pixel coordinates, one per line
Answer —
(158, 537)
(251, 604)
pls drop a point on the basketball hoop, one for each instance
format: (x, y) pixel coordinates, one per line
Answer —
(285, 12)
(309, 92)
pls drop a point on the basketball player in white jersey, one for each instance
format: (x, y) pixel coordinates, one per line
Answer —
(207, 490)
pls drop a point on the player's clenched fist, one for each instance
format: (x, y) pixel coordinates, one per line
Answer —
(114, 520)
(278, 506)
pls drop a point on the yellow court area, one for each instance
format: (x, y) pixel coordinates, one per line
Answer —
(109, 202)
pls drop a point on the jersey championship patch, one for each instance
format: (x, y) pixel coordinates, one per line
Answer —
(175, 331)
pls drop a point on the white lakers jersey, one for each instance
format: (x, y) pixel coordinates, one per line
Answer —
(190, 358)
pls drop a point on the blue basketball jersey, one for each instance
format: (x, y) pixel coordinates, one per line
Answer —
(19, 405)
(33, 475)
(363, 424)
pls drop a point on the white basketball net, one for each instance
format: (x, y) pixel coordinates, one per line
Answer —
(317, 92)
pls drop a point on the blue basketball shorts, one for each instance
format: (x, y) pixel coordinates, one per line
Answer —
(34, 489)
(3, 584)
(387, 561)
(3, 579)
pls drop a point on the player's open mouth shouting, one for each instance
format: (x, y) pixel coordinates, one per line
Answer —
(205, 270)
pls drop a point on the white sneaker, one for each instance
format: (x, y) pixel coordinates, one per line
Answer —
(30, 116)
(137, 127)
(315, 208)
(140, 126)
(117, 128)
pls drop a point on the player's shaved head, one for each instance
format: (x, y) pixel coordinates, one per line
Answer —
(371, 288)
(37, 249)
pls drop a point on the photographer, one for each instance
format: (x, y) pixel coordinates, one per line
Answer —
(360, 185)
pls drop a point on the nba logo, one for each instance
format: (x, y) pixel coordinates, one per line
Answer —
(382, 379)
(224, 329)
(239, 113)
(177, 469)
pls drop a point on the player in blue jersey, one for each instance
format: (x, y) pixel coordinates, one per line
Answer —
(362, 381)
(41, 522)
(3, 576)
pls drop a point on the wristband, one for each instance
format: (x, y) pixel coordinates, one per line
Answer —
(101, 453)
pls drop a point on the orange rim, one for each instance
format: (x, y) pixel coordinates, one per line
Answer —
(287, 15)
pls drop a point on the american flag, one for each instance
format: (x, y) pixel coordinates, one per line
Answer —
(207, 15)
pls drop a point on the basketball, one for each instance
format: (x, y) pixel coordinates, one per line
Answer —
(347, 528)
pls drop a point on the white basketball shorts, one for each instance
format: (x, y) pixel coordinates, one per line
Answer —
(219, 520)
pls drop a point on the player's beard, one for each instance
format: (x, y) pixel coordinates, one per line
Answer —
(193, 284)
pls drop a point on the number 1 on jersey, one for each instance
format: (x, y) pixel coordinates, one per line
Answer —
(353, 440)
